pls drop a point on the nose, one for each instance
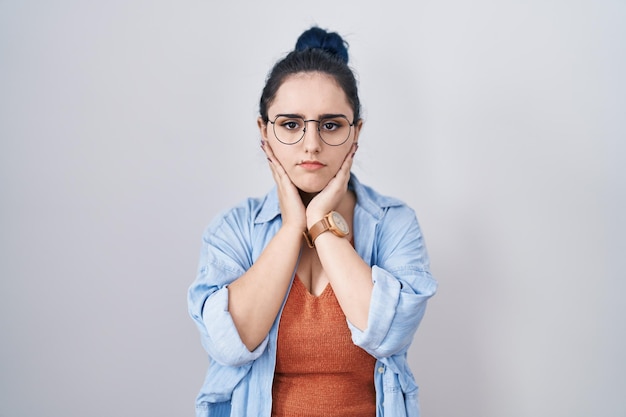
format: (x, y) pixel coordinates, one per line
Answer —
(312, 140)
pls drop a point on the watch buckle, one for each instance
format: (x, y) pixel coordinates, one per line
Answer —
(308, 240)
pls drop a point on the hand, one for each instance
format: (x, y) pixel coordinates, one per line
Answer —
(330, 197)
(291, 206)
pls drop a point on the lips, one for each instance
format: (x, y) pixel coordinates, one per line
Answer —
(311, 165)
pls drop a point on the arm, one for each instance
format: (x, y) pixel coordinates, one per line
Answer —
(223, 258)
(256, 297)
(402, 285)
(230, 258)
(349, 276)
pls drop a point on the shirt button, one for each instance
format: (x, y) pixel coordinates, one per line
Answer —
(381, 370)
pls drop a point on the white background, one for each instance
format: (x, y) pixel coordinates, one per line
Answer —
(125, 126)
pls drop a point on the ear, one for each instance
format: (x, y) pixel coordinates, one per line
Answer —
(262, 127)
(357, 130)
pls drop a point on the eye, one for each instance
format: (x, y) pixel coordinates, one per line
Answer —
(330, 125)
(290, 124)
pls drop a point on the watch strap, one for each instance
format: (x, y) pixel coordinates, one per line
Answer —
(317, 229)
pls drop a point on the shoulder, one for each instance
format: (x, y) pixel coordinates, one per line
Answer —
(246, 213)
(391, 217)
(234, 237)
(374, 202)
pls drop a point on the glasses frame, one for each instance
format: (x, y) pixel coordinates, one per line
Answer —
(305, 121)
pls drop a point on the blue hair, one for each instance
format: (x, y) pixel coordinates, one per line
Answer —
(330, 42)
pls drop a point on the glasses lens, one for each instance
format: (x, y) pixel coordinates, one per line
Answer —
(288, 130)
(335, 130)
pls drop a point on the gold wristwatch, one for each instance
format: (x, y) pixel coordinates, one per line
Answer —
(333, 222)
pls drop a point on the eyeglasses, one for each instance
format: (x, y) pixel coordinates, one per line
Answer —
(334, 129)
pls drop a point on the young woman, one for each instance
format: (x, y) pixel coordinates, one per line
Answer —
(308, 299)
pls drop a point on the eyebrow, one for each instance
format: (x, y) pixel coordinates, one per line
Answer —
(321, 116)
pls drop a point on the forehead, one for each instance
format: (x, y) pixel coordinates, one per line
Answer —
(310, 94)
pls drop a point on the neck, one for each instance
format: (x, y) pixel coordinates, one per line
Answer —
(306, 197)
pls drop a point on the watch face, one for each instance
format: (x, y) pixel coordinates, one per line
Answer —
(340, 223)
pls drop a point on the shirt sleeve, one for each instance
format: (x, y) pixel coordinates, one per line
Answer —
(402, 286)
(225, 256)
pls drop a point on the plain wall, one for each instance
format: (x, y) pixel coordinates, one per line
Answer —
(126, 126)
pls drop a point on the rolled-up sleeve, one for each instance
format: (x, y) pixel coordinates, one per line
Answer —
(402, 286)
(222, 338)
(223, 259)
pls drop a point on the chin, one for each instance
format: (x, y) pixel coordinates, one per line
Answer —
(311, 188)
(312, 183)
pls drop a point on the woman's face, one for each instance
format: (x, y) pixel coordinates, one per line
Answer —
(310, 163)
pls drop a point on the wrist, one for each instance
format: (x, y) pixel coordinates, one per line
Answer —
(292, 229)
(314, 217)
(331, 222)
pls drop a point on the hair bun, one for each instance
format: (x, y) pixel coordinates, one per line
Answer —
(330, 42)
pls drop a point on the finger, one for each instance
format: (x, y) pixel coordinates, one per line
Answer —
(267, 149)
(353, 149)
(275, 165)
(347, 162)
(281, 178)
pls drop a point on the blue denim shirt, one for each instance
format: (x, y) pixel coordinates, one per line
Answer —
(386, 235)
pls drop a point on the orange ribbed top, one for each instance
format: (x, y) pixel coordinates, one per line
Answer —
(319, 371)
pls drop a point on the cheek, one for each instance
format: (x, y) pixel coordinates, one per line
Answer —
(345, 153)
(280, 152)
(337, 161)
